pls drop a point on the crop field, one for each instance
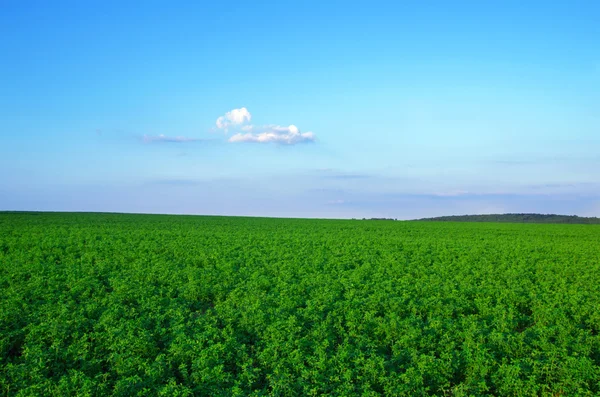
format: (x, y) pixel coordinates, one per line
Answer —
(126, 305)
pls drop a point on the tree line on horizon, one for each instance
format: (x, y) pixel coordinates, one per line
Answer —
(517, 218)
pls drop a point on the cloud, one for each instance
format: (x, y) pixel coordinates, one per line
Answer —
(175, 182)
(238, 120)
(290, 135)
(347, 176)
(534, 160)
(168, 139)
(451, 193)
(234, 117)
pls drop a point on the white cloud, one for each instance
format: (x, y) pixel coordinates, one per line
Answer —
(233, 118)
(290, 135)
(167, 139)
(238, 120)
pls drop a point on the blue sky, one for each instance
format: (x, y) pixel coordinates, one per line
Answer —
(308, 109)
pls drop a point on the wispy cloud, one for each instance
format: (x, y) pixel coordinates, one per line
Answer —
(513, 162)
(325, 190)
(290, 135)
(332, 173)
(347, 176)
(238, 121)
(548, 160)
(168, 139)
(451, 193)
(175, 182)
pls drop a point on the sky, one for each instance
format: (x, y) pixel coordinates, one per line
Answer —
(324, 109)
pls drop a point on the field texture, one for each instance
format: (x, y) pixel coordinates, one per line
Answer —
(107, 304)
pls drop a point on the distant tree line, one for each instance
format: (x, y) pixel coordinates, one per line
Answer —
(377, 219)
(517, 218)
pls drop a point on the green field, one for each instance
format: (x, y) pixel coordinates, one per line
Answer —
(110, 304)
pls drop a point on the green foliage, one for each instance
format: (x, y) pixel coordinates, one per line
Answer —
(126, 305)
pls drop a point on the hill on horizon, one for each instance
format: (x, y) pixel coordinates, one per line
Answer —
(516, 218)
